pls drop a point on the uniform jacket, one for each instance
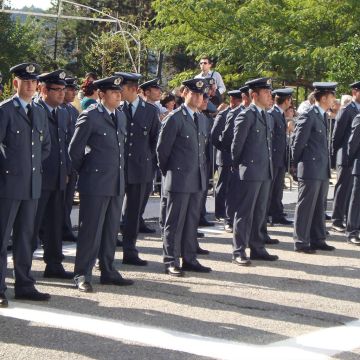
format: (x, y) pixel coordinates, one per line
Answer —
(97, 152)
(57, 166)
(216, 137)
(354, 146)
(278, 137)
(24, 144)
(228, 134)
(341, 133)
(251, 145)
(310, 146)
(74, 114)
(181, 152)
(142, 134)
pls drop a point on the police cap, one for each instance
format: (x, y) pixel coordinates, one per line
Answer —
(56, 77)
(154, 83)
(26, 71)
(283, 92)
(260, 83)
(324, 86)
(197, 85)
(235, 93)
(355, 85)
(109, 83)
(128, 77)
(244, 89)
(72, 82)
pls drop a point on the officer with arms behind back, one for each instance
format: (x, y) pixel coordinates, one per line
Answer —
(24, 144)
(97, 153)
(311, 154)
(182, 161)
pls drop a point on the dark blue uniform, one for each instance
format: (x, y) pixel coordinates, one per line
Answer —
(24, 144)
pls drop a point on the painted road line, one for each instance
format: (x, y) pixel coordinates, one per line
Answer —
(318, 345)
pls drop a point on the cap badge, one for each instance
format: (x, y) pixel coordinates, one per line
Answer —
(117, 81)
(30, 69)
(62, 75)
(199, 84)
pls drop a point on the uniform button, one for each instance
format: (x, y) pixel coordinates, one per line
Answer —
(119, 144)
(120, 155)
(187, 136)
(61, 162)
(60, 151)
(59, 140)
(199, 134)
(130, 144)
(33, 169)
(32, 131)
(313, 158)
(96, 170)
(129, 154)
(132, 124)
(147, 159)
(252, 161)
(32, 155)
(178, 168)
(32, 143)
(131, 134)
(7, 171)
(257, 130)
(104, 134)
(17, 131)
(120, 167)
(117, 133)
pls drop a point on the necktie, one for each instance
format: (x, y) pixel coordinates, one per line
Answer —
(29, 112)
(263, 115)
(131, 110)
(114, 119)
(196, 120)
(53, 112)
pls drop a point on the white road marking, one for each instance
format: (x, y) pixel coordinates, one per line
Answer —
(318, 345)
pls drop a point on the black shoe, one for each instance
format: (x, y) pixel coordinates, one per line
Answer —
(272, 241)
(70, 238)
(58, 273)
(322, 246)
(174, 271)
(284, 214)
(241, 261)
(265, 256)
(3, 301)
(33, 295)
(228, 228)
(134, 261)
(201, 251)
(282, 221)
(353, 240)
(144, 229)
(204, 222)
(306, 250)
(327, 217)
(119, 243)
(200, 234)
(338, 227)
(196, 267)
(119, 281)
(327, 233)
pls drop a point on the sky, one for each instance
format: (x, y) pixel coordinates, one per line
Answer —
(18, 4)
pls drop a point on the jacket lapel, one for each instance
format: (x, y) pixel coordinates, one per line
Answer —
(187, 116)
(106, 115)
(20, 110)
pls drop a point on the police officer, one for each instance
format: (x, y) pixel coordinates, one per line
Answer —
(71, 89)
(340, 138)
(182, 161)
(251, 155)
(55, 170)
(152, 94)
(223, 158)
(97, 153)
(311, 154)
(353, 219)
(24, 144)
(283, 100)
(142, 124)
(226, 141)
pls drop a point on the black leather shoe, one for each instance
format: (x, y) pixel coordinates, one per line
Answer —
(144, 229)
(201, 251)
(196, 267)
(204, 222)
(272, 241)
(134, 261)
(306, 250)
(353, 240)
(265, 256)
(119, 243)
(58, 274)
(174, 271)
(3, 301)
(338, 227)
(200, 234)
(70, 238)
(241, 261)
(327, 217)
(282, 221)
(119, 281)
(228, 228)
(33, 295)
(84, 286)
(322, 246)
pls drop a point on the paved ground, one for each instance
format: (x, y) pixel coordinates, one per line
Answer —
(283, 310)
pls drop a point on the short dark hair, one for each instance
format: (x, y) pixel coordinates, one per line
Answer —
(319, 94)
(166, 97)
(208, 58)
(279, 100)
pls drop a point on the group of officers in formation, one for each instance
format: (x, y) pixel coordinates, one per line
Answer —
(111, 150)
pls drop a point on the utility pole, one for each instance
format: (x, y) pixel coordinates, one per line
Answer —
(56, 29)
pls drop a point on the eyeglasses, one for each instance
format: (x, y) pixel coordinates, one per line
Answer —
(58, 90)
(203, 62)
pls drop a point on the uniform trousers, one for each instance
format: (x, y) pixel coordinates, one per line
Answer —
(276, 207)
(353, 223)
(309, 217)
(17, 216)
(221, 190)
(69, 199)
(134, 200)
(99, 224)
(180, 230)
(342, 193)
(249, 217)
